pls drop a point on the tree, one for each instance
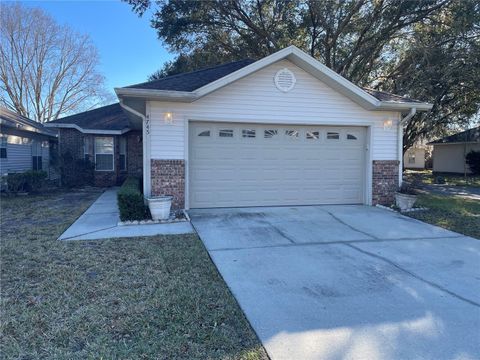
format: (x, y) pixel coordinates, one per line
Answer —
(473, 161)
(46, 70)
(400, 46)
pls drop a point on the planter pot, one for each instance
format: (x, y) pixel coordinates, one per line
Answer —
(405, 201)
(160, 207)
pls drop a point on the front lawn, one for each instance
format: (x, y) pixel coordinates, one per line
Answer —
(427, 177)
(450, 212)
(140, 298)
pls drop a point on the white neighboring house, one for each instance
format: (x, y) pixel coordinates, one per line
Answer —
(25, 144)
(449, 152)
(414, 157)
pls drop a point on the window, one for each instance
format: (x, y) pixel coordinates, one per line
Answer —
(123, 153)
(411, 158)
(313, 135)
(36, 155)
(104, 153)
(333, 135)
(204, 133)
(226, 133)
(351, 137)
(248, 133)
(87, 148)
(292, 133)
(3, 146)
(268, 134)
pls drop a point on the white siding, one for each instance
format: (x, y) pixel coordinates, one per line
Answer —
(19, 159)
(256, 99)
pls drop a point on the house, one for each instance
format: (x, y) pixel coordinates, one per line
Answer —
(414, 157)
(25, 145)
(449, 152)
(283, 130)
(106, 137)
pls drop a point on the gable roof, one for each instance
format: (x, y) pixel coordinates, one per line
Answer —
(471, 135)
(191, 86)
(12, 119)
(110, 119)
(193, 80)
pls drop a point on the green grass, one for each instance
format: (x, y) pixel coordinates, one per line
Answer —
(450, 212)
(427, 177)
(139, 298)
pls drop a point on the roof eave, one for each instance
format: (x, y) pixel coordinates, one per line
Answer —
(393, 105)
(88, 131)
(160, 95)
(25, 127)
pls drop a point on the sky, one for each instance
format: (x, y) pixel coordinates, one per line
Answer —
(128, 47)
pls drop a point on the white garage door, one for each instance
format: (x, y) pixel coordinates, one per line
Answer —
(260, 165)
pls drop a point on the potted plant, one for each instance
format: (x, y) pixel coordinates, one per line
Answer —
(160, 207)
(405, 197)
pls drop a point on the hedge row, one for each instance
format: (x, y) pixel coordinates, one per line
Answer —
(130, 201)
(29, 181)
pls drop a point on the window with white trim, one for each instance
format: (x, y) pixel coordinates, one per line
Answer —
(104, 151)
(3, 146)
(123, 153)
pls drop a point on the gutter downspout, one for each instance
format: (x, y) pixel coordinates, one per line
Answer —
(146, 145)
(401, 123)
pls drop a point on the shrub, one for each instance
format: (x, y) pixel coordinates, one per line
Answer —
(439, 180)
(35, 180)
(130, 201)
(32, 181)
(473, 161)
(76, 172)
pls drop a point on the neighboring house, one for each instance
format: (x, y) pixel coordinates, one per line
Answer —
(25, 145)
(106, 137)
(449, 152)
(284, 130)
(414, 157)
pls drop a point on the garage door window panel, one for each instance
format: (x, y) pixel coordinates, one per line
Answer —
(225, 133)
(248, 133)
(204, 133)
(270, 133)
(332, 135)
(292, 134)
(313, 135)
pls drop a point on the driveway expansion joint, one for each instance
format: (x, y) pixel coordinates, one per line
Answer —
(436, 286)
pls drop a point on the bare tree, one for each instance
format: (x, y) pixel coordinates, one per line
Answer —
(46, 70)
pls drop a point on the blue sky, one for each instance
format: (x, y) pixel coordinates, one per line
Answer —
(128, 47)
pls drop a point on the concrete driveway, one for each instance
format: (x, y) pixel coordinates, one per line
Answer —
(348, 282)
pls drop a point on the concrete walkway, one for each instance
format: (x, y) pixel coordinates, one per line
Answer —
(348, 282)
(101, 219)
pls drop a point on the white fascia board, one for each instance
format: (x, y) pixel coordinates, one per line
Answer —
(393, 105)
(150, 94)
(88, 131)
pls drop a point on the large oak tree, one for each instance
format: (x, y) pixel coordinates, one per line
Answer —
(425, 49)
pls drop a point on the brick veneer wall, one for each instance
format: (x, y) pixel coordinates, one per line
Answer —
(168, 178)
(384, 181)
(72, 140)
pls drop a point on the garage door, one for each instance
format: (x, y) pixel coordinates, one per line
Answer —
(261, 165)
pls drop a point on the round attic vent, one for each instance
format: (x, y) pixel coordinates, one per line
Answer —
(284, 80)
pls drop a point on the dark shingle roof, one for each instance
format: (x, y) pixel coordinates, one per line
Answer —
(196, 79)
(110, 117)
(471, 135)
(386, 96)
(193, 80)
(21, 122)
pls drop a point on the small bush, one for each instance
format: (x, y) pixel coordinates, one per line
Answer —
(407, 188)
(439, 180)
(130, 201)
(76, 172)
(31, 181)
(473, 161)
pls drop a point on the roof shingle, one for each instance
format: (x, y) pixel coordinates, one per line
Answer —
(471, 135)
(110, 117)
